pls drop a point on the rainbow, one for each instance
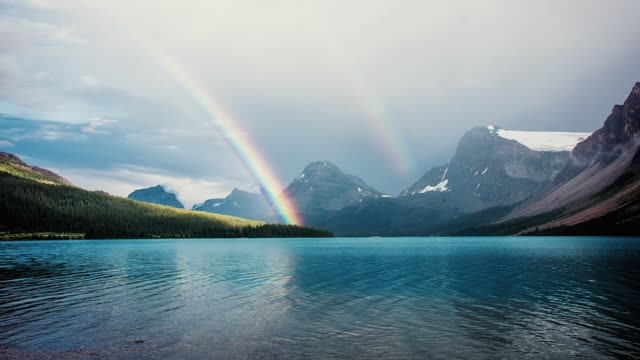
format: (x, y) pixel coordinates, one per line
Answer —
(239, 143)
(370, 106)
(376, 114)
(237, 140)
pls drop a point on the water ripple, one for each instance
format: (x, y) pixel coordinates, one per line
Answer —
(486, 298)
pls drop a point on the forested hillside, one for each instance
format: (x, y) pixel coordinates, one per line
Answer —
(33, 206)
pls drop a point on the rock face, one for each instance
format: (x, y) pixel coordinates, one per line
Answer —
(602, 174)
(489, 170)
(621, 129)
(156, 195)
(239, 203)
(323, 187)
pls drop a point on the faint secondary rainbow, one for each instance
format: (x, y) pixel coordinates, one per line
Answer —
(371, 107)
(376, 114)
(238, 141)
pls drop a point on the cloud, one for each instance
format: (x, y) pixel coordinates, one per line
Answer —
(24, 43)
(50, 133)
(45, 4)
(97, 155)
(301, 78)
(46, 132)
(6, 144)
(99, 126)
(125, 179)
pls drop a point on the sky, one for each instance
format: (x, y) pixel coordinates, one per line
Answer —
(118, 95)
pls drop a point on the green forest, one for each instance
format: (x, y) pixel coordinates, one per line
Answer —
(29, 206)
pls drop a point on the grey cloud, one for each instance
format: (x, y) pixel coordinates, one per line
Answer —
(300, 77)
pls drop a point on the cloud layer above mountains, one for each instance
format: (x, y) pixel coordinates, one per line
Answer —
(84, 91)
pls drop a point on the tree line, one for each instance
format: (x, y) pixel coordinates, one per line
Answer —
(27, 206)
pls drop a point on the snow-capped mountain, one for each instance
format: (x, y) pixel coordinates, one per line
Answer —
(500, 181)
(491, 168)
(506, 182)
(323, 187)
(239, 203)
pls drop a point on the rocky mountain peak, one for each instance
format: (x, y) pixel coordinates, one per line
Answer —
(322, 186)
(490, 169)
(236, 191)
(239, 203)
(320, 170)
(636, 89)
(621, 128)
(156, 195)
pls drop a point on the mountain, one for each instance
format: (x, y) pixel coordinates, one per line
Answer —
(156, 195)
(12, 164)
(490, 170)
(496, 167)
(600, 181)
(323, 187)
(239, 203)
(35, 205)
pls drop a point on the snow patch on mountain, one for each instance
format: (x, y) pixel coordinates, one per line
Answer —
(542, 140)
(442, 186)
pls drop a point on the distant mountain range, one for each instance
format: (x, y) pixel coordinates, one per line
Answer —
(487, 171)
(239, 203)
(320, 190)
(36, 203)
(156, 195)
(498, 181)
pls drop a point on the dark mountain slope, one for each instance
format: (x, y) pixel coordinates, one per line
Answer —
(239, 203)
(323, 187)
(601, 177)
(156, 195)
(487, 171)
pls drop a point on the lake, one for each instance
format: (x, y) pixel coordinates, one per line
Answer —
(391, 298)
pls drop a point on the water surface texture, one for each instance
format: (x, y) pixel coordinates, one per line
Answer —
(440, 298)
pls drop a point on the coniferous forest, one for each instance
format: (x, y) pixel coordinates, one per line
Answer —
(28, 206)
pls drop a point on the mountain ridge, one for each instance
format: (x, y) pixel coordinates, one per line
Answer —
(497, 179)
(239, 203)
(608, 162)
(323, 187)
(12, 164)
(156, 195)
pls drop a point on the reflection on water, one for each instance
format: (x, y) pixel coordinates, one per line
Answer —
(331, 298)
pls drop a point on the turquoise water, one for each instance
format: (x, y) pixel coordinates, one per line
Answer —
(440, 298)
